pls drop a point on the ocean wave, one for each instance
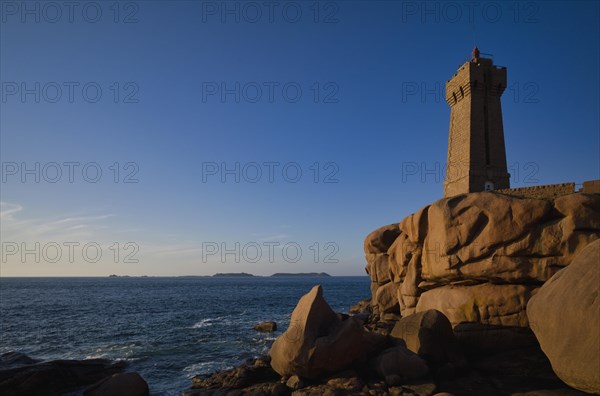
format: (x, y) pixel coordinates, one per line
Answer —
(116, 351)
(226, 320)
(198, 367)
(205, 368)
(202, 323)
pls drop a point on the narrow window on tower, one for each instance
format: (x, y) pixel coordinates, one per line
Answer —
(486, 131)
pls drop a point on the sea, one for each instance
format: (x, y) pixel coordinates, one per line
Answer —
(166, 329)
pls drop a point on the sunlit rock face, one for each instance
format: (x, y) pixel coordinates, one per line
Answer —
(318, 341)
(565, 317)
(478, 258)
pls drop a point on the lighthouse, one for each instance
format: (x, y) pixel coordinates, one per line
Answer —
(476, 150)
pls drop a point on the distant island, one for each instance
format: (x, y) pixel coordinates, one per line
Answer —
(303, 274)
(241, 275)
(279, 274)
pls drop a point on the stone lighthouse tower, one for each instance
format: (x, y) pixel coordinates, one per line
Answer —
(476, 152)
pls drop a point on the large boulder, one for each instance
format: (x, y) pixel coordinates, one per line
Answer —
(428, 334)
(484, 317)
(386, 299)
(318, 341)
(123, 384)
(381, 239)
(501, 305)
(565, 317)
(378, 268)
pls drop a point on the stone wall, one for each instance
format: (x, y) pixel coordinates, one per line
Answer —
(547, 191)
(591, 187)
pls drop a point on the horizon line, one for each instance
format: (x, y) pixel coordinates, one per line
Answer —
(172, 276)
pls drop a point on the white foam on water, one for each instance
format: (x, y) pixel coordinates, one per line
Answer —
(224, 320)
(205, 368)
(202, 323)
(115, 351)
(198, 367)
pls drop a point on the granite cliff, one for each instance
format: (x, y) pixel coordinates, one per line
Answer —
(477, 257)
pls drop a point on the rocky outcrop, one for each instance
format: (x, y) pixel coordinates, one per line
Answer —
(260, 379)
(22, 375)
(386, 299)
(54, 377)
(517, 372)
(478, 258)
(376, 245)
(266, 327)
(253, 375)
(420, 357)
(318, 341)
(15, 359)
(565, 317)
(125, 384)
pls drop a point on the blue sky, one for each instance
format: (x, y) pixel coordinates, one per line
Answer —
(190, 89)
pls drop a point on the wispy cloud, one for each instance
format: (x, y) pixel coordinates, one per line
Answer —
(8, 209)
(156, 249)
(81, 218)
(16, 226)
